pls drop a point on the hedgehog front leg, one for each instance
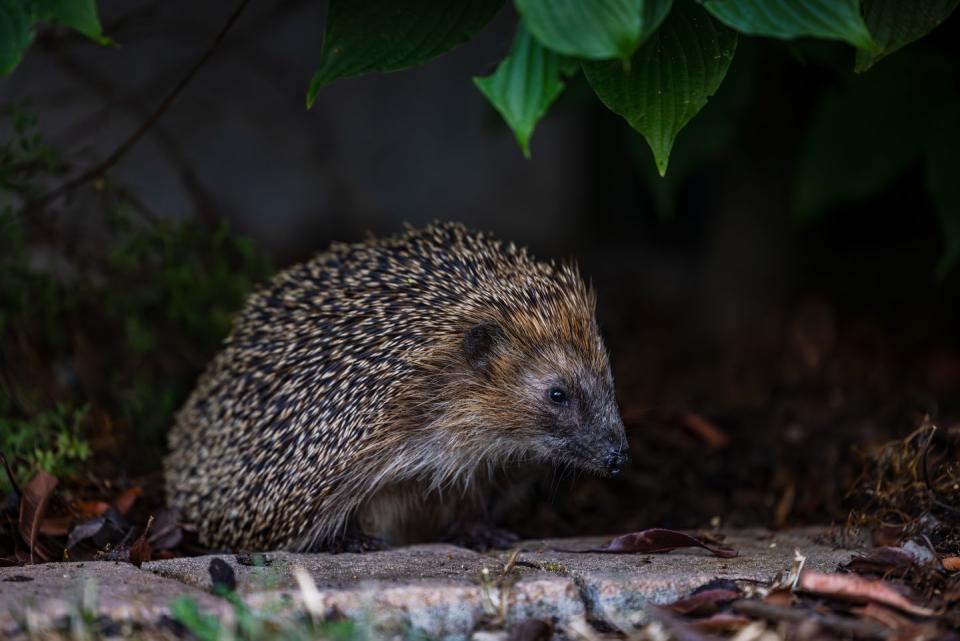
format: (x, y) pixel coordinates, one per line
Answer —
(352, 539)
(480, 535)
(473, 524)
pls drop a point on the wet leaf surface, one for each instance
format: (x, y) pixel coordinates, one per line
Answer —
(661, 540)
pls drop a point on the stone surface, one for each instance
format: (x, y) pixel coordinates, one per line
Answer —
(440, 590)
(615, 586)
(40, 596)
(409, 565)
(436, 589)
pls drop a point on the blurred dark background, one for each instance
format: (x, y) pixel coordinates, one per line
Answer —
(771, 306)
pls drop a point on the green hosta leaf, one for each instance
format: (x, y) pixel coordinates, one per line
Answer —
(669, 78)
(17, 18)
(786, 19)
(15, 34)
(866, 134)
(525, 84)
(79, 15)
(389, 35)
(943, 170)
(895, 23)
(704, 138)
(595, 30)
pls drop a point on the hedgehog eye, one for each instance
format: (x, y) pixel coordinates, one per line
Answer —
(557, 396)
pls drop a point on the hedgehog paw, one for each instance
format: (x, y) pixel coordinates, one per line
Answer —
(356, 542)
(481, 537)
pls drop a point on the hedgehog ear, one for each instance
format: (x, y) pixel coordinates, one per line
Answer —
(479, 344)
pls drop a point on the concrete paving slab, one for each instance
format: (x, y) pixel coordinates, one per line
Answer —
(615, 586)
(436, 563)
(438, 590)
(38, 597)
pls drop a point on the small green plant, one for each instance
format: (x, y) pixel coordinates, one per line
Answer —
(18, 19)
(261, 625)
(51, 441)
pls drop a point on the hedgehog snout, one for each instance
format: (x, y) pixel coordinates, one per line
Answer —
(616, 459)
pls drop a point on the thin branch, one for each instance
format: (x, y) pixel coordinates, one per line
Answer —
(134, 138)
(202, 200)
(925, 469)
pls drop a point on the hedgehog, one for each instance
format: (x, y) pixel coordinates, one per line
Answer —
(379, 390)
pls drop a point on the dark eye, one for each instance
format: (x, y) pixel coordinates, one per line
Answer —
(557, 396)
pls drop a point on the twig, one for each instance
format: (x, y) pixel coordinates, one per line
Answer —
(202, 200)
(10, 475)
(134, 138)
(934, 496)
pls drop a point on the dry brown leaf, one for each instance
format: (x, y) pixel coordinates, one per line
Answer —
(885, 561)
(721, 622)
(951, 563)
(91, 509)
(125, 501)
(658, 540)
(140, 551)
(883, 615)
(857, 589)
(703, 603)
(707, 430)
(56, 525)
(780, 596)
(33, 506)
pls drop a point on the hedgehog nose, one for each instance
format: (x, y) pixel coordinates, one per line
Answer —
(615, 460)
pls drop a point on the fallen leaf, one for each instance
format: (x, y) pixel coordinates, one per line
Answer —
(657, 540)
(852, 587)
(56, 525)
(678, 629)
(722, 622)
(886, 535)
(921, 551)
(951, 563)
(33, 506)
(883, 560)
(116, 530)
(140, 550)
(780, 596)
(125, 501)
(883, 615)
(91, 509)
(84, 531)
(703, 603)
(167, 533)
